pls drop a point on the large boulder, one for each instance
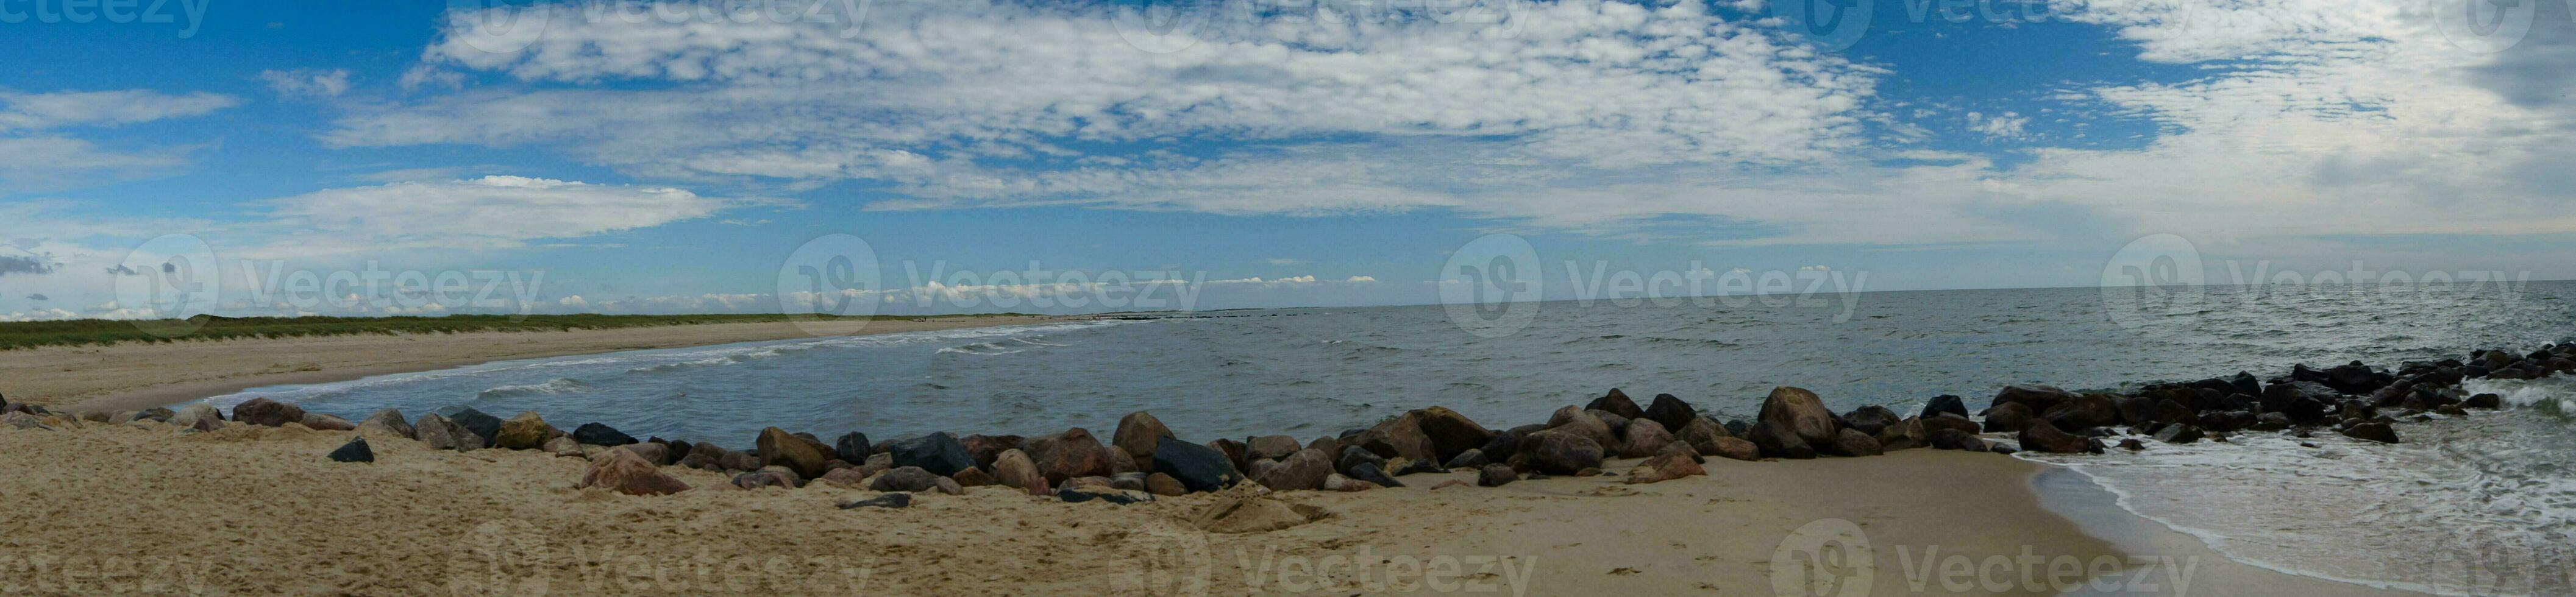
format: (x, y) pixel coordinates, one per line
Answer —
(323, 422)
(1736, 448)
(1013, 468)
(442, 433)
(2373, 431)
(1951, 421)
(1945, 403)
(1558, 453)
(1139, 434)
(200, 416)
(1778, 441)
(2038, 398)
(1304, 470)
(2179, 433)
(2009, 417)
(355, 451)
(1644, 438)
(906, 479)
(624, 472)
(1617, 403)
(853, 447)
(266, 412)
(1953, 439)
(1270, 447)
(782, 449)
(1702, 434)
(1852, 443)
(984, 448)
(1871, 419)
(524, 432)
(1196, 467)
(1672, 412)
(938, 453)
(595, 434)
(2043, 436)
(387, 422)
(1800, 413)
(1072, 454)
(1451, 433)
(485, 426)
(2084, 412)
(1665, 467)
(2137, 410)
(1582, 423)
(1398, 437)
(1904, 435)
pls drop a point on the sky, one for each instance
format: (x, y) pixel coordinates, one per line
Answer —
(620, 156)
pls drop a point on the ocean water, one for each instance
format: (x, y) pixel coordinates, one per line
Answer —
(2425, 514)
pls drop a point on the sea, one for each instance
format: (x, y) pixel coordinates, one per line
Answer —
(2478, 505)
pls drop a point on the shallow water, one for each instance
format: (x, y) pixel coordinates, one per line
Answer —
(2379, 514)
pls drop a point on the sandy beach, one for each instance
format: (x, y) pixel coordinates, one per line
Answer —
(135, 376)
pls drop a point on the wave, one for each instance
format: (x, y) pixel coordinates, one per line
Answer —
(564, 385)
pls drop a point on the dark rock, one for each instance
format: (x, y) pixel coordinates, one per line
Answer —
(1775, 441)
(1559, 453)
(2178, 433)
(1853, 443)
(2004, 448)
(2009, 417)
(1399, 437)
(1234, 451)
(1077, 495)
(1617, 403)
(1953, 439)
(1951, 421)
(2084, 412)
(1904, 435)
(354, 451)
(893, 501)
(596, 434)
(2037, 398)
(1451, 433)
(1304, 470)
(2246, 384)
(1504, 445)
(938, 453)
(1736, 448)
(2377, 432)
(1870, 420)
(905, 478)
(2354, 378)
(1702, 434)
(1644, 438)
(2132, 444)
(1798, 412)
(984, 448)
(1738, 427)
(2138, 411)
(1355, 456)
(2169, 411)
(1371, 473)
(2226, 420)
(1945, 404)
(1496, 475)
(2044, 437)
(1672, 412)
(1470, 459)
(266, 412)
(851, 447)
(1197, 467)
(2484, 401)
(485, 427)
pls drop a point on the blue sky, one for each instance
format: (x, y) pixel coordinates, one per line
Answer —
(671, 157)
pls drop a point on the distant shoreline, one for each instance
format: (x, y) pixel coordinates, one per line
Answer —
(136, 375)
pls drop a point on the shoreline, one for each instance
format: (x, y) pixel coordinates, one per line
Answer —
(136, 376)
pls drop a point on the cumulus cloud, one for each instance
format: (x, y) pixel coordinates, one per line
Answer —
(492, 212)
(26, 111)
(307, 82)
(24, 264)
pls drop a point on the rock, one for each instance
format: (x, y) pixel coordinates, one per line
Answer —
(1617, 403)
(1799, 412)
(1074, 453)
(1165, 485)
(564, 446)
(1470, 459)
(1138, 435)
(596, 434)
(1559, 453)
(2084, 412)
(658, 454)
(1014, 469)
(892, 501)
(1776, 441)
(1853, 443)
(1326, 444)
(740, 461)
(854, 447)
(1736, 448)
(1077, 495)
(2484, 401)
(1702, 434)
(1401, 467)
(1451, 433)
(905, 478)
(354, 451)
(779, 448)
(2137, 410)
(485, 427)
(2132, 444)
(1254, 514)
(1355, 456)
(849, 478)
(1644, 438)
(973, 477)
(1904, 435)
(1505, 444)
(772, 477)
(2228, 420)
(388, 422)
(1304, 470)
(2004, 448)
(442, 433)
(624, 472)
(1945, 404)
(1270, 447)
(2037, 398)
(323, 422)
(1401, 436)
(938, 453)
(1871, 420)
(1196, 467)
(2178, 433)
(161, 415)
(268, 413)
(1674, 414)
(1950, 421)
(1340, 483)
(1953, 439)
(200, 416)
(1371, 473)
(1581, 423)
(984, 448)
(1667, 467)
(701, 462)
(1128, 481)
(2009, 417)
(524, 432)
(2044, 437)
(2373, 431)
(1496, 475)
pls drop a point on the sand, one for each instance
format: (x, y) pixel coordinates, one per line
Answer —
(136, 376)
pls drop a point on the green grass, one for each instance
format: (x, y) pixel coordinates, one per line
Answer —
(80, 332)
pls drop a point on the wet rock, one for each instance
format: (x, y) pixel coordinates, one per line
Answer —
(1451, 433)
(1798, 412)
(1644, 438)
(2169, 411)
(1559, 453)
(268, 413)
(1736, 448)
(1304, 470)
(1470, 459)
(2374, 431)
(485, 427)
(1617, 424)
(1945, 404)
(1667, 467)
(1074, 453)
(1953, 439)
(444, 434)
(1870, 420)
(2045, 437)
(1196, 467)
(2084, 412)
(891, 501)
(2227, 420)
(907, 479)
(2138, 410)
(524, 432)
(1853, 443)
(2178, 433)
(1776, 441)
(1496, 475)
(2132, 444)
(623, 472)
(2004, 448)
(1904, 435)
(387, 422)
(1138, 434)
(1165, 485)
(1738, 427)
(938, 453)
(354, 451)
(1371, 473)
(779, 448)
(851, 447)
(323, 422)
(2484, 401)
(1951, 421)
(1617, 403)
(2009, 417)
(1674, 414)
(596, 434)
(2037, 398)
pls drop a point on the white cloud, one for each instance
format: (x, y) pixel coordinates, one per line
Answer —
(307, 82)
(492, 212)
(2009, 125)
(48, 163)
(28, 111)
